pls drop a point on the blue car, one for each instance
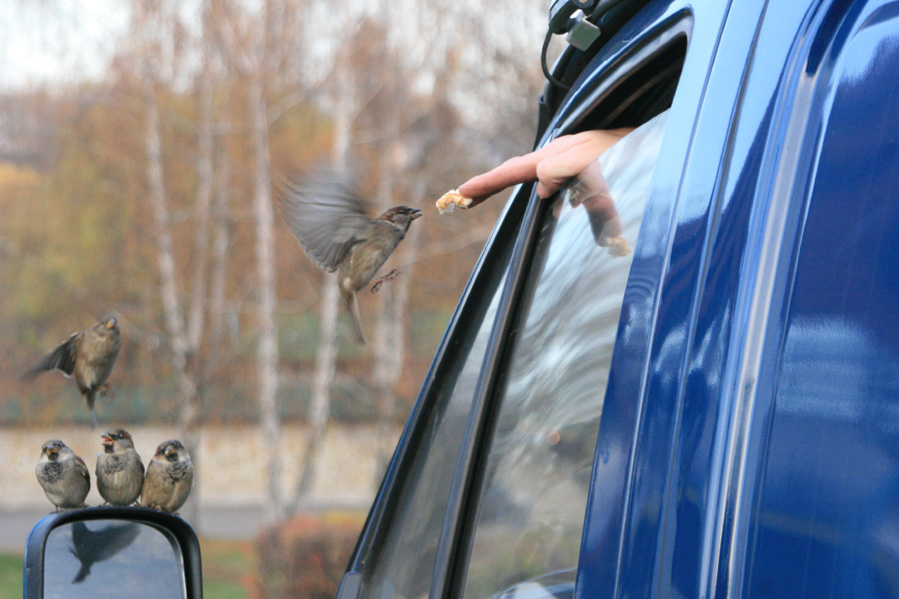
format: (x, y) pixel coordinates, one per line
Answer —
(688, 385)
(716, 412)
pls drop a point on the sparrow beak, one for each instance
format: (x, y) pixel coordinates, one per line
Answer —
(415, 213)
(169, 451)
(106, 440)
(110, 323)
(51, 451)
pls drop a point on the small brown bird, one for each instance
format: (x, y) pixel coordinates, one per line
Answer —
(63, 475)
(169, 479)
(120, 472)
(88, 356)
(328, 219)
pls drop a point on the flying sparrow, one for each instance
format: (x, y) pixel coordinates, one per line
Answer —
(169, 477)
(120, 473)
(328, 219)
(63, 475)
(88, 356)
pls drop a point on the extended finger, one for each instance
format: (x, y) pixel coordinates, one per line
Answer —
(559, 167)
(519, 169)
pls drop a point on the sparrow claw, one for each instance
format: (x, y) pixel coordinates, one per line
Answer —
(107, 390)
(376, 284)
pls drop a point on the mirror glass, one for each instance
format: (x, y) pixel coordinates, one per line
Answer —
(102, 557)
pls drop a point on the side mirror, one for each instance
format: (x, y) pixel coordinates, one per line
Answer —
(126, 551)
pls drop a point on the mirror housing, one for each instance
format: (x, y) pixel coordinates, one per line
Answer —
(109, 534)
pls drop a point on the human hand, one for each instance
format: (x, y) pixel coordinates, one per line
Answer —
(551, 166)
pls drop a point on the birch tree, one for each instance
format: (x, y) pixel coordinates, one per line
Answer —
(150, 20)
(267, 347)
(244, 37)
(326, 355)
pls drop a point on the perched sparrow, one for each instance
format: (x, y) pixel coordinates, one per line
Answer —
(63, 475)
(89, 356)
(169, 477)
(328, 219)
(120, 473)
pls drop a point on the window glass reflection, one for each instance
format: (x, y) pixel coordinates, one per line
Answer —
(531, 516)
(407, 559)
(99, 557)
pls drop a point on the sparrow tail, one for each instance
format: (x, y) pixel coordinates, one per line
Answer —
(90, 397)
(354, 316)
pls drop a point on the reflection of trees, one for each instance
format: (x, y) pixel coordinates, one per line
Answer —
(90, 547)
(541, 458)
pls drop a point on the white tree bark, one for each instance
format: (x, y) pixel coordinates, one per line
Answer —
(326, 358)
(267, 348)
(384, 338)
(320, 401)
(220, 242)
(188, 415)
(205, 148)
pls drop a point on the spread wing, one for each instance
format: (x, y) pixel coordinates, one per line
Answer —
(61, 358)
(325, 215)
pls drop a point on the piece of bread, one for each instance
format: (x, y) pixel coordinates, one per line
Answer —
(618, 246)
(451, 199)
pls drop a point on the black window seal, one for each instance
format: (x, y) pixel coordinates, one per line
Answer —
(465, 489)
(652, 33)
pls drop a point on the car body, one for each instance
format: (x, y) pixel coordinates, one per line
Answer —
(712, 411)
(748, 443)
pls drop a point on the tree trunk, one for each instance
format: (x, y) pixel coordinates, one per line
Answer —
(320, 402)
(188, 415)
(220, 243)
(267, 349)
(384, 339)
(326, 358)
(205, 149)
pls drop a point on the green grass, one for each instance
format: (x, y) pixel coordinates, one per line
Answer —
(11, 565)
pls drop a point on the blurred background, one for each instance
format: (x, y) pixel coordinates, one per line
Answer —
(139, 141)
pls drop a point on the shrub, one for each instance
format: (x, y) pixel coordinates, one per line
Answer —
(305, 557)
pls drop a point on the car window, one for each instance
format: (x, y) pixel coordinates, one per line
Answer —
(528, 533)
(407, 557)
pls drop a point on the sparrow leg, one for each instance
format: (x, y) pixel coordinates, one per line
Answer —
(107, 390)
(376, 283)
(90, 396)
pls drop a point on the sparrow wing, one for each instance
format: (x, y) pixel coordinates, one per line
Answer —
(152, 487)
(325, 215)
(61, 358)
(81, 467)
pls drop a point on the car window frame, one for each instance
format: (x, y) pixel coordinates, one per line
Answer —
(666, 24)
(616, 65)
(448, 361)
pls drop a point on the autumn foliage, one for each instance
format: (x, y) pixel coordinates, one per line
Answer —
(305, 557)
